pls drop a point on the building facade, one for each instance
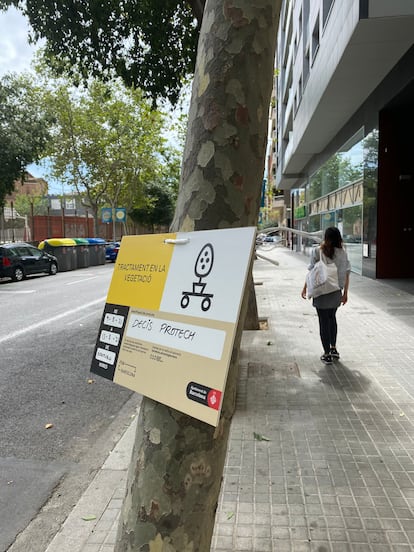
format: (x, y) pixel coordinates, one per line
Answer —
(342, 140)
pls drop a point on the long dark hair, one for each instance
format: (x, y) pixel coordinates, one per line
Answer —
(332, 239)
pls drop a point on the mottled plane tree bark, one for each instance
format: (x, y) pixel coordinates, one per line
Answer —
(177, 463)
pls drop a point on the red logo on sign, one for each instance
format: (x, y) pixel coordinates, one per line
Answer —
(214, 399)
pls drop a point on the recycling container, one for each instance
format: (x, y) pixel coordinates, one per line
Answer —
(64, 249)
(96, 251)
(82, 252)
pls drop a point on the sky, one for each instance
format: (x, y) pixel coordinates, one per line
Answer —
(15, 51)
(16, 55)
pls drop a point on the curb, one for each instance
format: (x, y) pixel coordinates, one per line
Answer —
(93, 521)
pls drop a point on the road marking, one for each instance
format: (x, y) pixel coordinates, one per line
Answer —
(84, 317)
(38, 325)
(81, 281)
(9, 292)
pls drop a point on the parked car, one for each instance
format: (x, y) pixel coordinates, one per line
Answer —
(111, 251)
(19, 259)
(267, 238)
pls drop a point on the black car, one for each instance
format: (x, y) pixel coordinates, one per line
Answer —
(19, 259)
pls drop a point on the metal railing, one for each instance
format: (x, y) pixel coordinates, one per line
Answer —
(316, 236)
(267, 246)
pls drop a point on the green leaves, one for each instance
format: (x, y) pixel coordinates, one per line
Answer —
(107, 142)
(89, 518)
(151, 45)
(23, 130)
(259, 437)
(158, 207)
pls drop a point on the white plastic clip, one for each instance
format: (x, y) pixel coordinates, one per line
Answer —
(178, 241)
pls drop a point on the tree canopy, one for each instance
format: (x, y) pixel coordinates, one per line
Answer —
(23, 130)
(157, 208)
(150, 45)
(106, 142)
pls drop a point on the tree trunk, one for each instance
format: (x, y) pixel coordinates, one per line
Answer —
(177, 463)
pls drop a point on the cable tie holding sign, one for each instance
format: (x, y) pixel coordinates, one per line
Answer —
(178, 241)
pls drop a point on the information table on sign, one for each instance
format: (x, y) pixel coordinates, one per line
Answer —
(172, 309)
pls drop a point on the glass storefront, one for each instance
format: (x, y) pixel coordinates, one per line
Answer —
(351, 160)
(342, 169)
(349, 222)
(342, 193)
(369, 227)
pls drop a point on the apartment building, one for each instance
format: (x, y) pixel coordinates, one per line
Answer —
(343, 136)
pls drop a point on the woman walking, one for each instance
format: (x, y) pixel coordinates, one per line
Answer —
(326, 305)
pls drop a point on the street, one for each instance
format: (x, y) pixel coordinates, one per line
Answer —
(57, 421)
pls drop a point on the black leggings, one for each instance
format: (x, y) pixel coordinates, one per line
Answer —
(327, 328)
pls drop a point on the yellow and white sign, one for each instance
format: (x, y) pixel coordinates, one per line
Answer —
(172, 309)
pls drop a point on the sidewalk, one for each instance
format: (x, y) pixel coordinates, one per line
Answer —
(321, 458)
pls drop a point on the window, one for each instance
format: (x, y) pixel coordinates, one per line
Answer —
(36, 253)
(326, 8)
(298, 95)
(23, 251)
(343, 168)
(314, 223)
(306, 65)
(287, 40)
(288, 85)
(305, 19)
(315, 39)
(351, 159)
(350, 224)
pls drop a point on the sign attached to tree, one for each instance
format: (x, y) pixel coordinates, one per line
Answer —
(172, 309)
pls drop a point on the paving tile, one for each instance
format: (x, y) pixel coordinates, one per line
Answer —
(244, 543)
(280, 533)
(262, 545)
(91, 548)
(97, 537)
(337, 474)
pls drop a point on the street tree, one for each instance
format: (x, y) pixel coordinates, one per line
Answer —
(106, 142)
(30, 204)
(175, 473)
(157, 207)
(24, 130)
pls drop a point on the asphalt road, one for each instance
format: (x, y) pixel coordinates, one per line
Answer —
(48, 330)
